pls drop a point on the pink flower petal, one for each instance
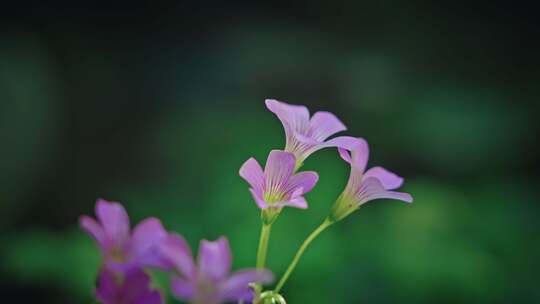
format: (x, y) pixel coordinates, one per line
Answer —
(107, 290)
(257, 197)
(176, 250)
(295, 200)
(388, 179)
(345, 142)
(305, 180)
(295, 117)
(308, 146)
(252, 172)
(146, 237)
(324, 124)
(135, 283)
(214, 259)
(305, 142)
(359, 152)
(183, 289)
(115, 221)
(298, 202)
(345, 155)
(373, 189)
(279, 168)
(236, 287)
(95, 230)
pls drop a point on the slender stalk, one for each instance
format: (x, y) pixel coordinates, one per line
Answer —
(263, 245)
(300, 252)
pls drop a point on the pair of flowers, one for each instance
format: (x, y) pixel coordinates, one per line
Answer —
(279, 185)
(128, 254)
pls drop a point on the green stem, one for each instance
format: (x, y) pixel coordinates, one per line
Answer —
(300, 251)
(263, 245)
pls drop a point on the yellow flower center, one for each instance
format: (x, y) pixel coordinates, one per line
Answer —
(273, 197)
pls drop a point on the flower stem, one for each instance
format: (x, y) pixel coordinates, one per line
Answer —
(300, 252)
(263, 245)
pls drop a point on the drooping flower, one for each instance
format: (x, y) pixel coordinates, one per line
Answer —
(364, 186)
(305, 135)
(278, 186)
(121, 248)
(133, 287)
(209, 280)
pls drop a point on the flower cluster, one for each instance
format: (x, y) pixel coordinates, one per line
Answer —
(279, 185)
(128, 255)
(282, 185)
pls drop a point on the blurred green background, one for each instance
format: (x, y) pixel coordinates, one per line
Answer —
(157, 105)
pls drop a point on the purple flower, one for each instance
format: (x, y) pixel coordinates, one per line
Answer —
(131, 288)
(305, 135)
(277, 186)
(362, 187)
(122, 249)
(209, 281)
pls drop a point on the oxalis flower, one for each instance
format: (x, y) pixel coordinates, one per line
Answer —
(122, 249)
(277, 186)
(305, 135)
(133, 287)
(209, 280)
(362, 187)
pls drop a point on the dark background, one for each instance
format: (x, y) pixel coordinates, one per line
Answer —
(157, 105)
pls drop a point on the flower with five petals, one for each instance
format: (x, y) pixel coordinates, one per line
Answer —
(209, 281)
(277, 186)
(304, 134)
(364, 186)
(121, 248)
